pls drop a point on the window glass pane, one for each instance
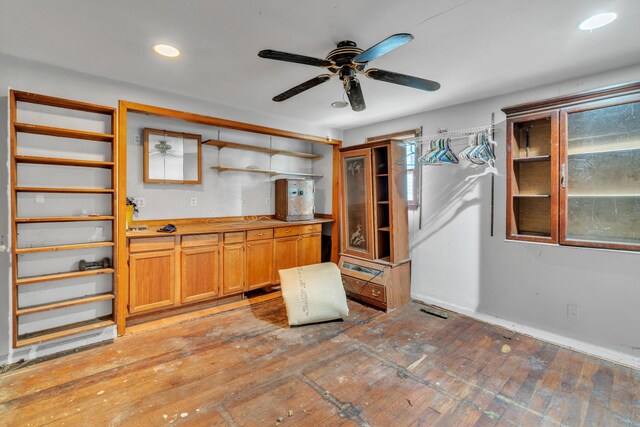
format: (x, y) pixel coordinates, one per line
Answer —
(603, 174)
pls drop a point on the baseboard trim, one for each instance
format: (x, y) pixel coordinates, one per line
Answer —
(559, 340)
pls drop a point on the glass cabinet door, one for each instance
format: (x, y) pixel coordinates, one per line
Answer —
(600, 175)
(357, 218)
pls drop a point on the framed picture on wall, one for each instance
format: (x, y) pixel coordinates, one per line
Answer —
(172, 157)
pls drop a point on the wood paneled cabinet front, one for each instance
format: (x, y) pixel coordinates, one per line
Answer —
(200, 273)
(152, 280)
(170, 271)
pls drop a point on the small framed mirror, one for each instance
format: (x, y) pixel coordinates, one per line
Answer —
(172, 157)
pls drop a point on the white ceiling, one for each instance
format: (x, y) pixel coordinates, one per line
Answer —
(474, 48)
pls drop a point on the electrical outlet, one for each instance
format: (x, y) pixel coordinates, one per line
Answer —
(39, 198)
(573, 311)
(244, 202)
(268, 201)
(136, 139)
(139, 202)
(194, 201)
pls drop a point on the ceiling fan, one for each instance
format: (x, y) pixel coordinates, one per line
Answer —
(348, 60)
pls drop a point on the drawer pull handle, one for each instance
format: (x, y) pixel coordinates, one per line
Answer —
(260, 234)
(287, 231)
(375, 293)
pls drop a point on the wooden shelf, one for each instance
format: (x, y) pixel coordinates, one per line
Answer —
(63, 331)
(63, 162)
(383, 202)
(64, 190)
(57, 248)
(61, 276)
(64, 303)
(384, 229)
(273, 152)
(602, 151)
(35, 98)
(62, 133)
(63, 219)
(533, 196)
(382, 174)
(603, 196)
(265, 171)
(311, 175)
(532, 159)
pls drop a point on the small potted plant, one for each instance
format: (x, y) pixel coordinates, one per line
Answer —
(131, 209)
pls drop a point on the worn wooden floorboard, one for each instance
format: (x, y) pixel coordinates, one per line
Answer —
(249, 368)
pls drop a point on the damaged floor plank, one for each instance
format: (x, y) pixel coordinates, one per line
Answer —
(247, 367)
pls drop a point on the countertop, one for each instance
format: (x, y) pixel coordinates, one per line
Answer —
(224, 226)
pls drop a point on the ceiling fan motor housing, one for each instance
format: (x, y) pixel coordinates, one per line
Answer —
(343, 55)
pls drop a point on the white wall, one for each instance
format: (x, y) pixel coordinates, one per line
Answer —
(39, 78)
(524, 286)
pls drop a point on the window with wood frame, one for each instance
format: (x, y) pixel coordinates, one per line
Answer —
(413, 172)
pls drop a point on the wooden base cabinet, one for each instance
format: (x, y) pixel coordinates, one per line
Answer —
(309, 249)
(232, 268)
(285, 255)
(200, 273)
(152, 280)
(259, 263)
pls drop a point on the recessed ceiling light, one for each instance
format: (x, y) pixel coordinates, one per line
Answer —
(166, 50)
(339, 104)
(597, 21)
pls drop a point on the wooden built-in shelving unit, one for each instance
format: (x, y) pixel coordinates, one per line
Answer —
(17, 128)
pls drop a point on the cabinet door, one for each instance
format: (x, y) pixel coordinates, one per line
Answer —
(200, 269)
(232, 268)
(309, 249)
(532, 177)
(151, 280)
(357, 211)
(600, 152)
(259, 263)
(285, 255)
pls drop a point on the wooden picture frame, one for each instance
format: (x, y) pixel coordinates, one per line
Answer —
(161, 146)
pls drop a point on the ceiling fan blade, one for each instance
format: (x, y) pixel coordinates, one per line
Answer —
(385, 46)
(403, 79)
(302, 87)
(356, 99)
(292, 57)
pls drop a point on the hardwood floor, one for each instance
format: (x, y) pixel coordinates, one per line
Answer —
(247, 367)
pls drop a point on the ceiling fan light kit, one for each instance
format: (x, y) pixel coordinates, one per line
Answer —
(346, 61)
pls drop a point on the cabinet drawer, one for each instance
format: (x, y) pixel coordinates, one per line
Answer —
(368, 290)
(287, 231)
(265, 233)
(145, 244)
(311, 228)
(235, 237)
(199, 240)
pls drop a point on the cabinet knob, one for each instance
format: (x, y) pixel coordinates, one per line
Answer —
(260, 234)
(287, 231)
(375, 293)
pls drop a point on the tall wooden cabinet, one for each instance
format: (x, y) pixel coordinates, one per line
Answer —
(574, 169)
(375, 251)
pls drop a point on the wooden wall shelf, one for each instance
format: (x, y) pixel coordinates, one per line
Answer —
(64, 219)
(64, 190)
(63, 162)
(65, 303)
(61, 276)
(57, 248)
(273, 152)
(64, 331)
(265, 171)
(532, 159)
(62, 133)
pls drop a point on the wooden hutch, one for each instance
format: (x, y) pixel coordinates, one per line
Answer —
(374, 260)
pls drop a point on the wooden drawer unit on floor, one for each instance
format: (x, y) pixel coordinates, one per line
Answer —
(372, 293)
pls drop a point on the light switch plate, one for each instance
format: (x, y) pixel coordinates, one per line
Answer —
(39, 198)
